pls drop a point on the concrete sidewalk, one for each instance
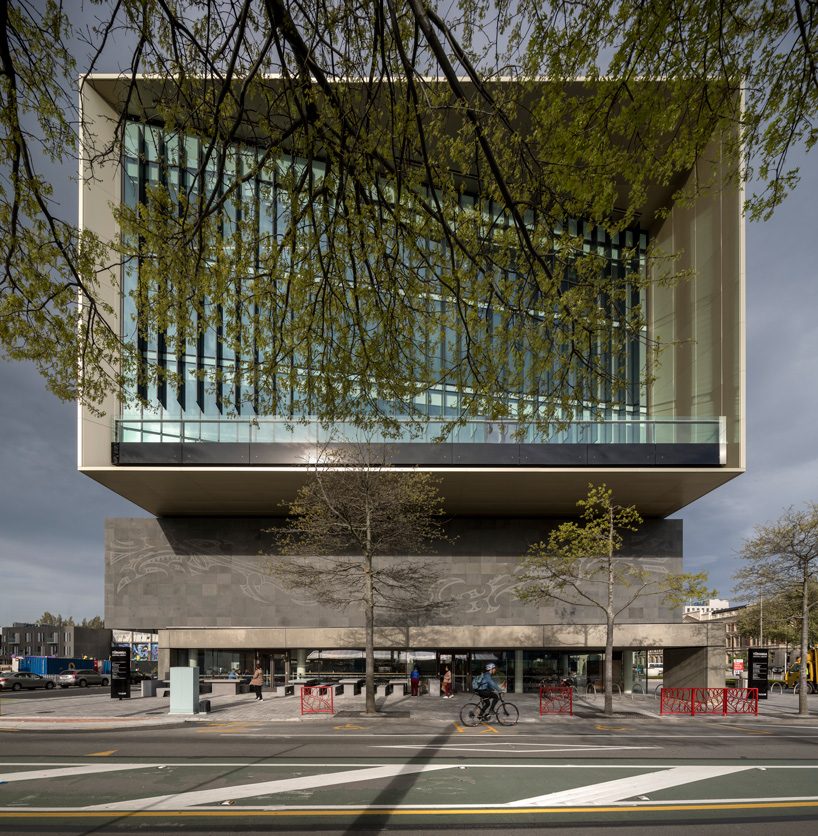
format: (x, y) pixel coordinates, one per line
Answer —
(99, 711)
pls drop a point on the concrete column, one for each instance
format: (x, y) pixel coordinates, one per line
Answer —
(518, 671)
(694, 667)
(300, 664)
(627, 671)
(163, 664)
(193, 658)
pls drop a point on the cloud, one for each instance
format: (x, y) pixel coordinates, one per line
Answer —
(51, 516)
(782, 395)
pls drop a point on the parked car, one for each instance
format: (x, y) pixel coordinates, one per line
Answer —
(82, 677)
(655, 669)
(15, 680)
(138, 676)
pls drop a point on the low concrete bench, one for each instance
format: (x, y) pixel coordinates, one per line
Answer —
(290, 687)
(352, 686)
(221, 687)
(400, 685)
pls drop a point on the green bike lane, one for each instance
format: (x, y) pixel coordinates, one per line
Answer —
(352, 775)
(392, 789)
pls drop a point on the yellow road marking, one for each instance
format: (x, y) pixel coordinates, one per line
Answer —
(349, 727)
(218, 728)
(101, 754)
(460, 729)
(603, 727)
(489, 730)
(409, 811)
(745, 729)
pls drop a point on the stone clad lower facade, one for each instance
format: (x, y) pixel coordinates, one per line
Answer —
(207, 583)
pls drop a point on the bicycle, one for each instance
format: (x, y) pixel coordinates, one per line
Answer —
(506, 713)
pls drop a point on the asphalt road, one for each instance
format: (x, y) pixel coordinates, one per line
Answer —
(73, 690)
(568, 774)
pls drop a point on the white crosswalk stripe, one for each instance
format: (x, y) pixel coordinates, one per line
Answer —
(611, 791)
(215, 796)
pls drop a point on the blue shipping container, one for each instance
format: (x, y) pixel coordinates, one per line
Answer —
(51, 665)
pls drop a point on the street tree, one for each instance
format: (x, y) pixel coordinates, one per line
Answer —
(381, 109)
(96, 622)
(778, 619)
(579, 565)
(780, 558)
(352, 538)
(57, 620)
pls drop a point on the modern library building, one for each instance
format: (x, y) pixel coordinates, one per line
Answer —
(216, 478)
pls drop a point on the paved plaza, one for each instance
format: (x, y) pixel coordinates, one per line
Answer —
(97, 710)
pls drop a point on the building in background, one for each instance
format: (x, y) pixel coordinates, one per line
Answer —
(215, 480)
(22, 639)
(705, 607)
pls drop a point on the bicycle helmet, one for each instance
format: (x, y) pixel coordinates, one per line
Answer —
(491, 666)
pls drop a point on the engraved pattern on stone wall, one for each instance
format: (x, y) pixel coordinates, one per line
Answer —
(480, 595)
(499, 590)
(132, 561)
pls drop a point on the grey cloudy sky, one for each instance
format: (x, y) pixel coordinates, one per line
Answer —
(782, 398)
(52, 517)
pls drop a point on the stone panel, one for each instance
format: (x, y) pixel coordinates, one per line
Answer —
(204, 572)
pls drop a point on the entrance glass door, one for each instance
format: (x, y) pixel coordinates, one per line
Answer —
(274, 665)
(459, 661)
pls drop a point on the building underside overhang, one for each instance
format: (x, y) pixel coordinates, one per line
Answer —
(264, 491)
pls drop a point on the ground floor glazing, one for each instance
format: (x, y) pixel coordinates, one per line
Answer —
(519, 670)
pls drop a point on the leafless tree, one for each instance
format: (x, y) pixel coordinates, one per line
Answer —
(354, 536)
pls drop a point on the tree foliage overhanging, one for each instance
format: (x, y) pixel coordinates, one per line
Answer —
(402, 109)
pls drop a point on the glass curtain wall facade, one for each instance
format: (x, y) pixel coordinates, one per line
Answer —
(195, 408)
(531, 668)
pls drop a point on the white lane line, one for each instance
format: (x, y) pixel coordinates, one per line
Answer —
(65, 772)
(624, 804)
(545, 749)
(190, 799)
(621, 788)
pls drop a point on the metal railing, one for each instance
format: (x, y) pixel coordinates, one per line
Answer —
(280, 430)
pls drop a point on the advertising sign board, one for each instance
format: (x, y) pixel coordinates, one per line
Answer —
(120, 672)
(757, 669)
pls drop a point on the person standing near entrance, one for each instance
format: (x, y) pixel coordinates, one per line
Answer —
(256, 682)
(414, 680)
(447, 683)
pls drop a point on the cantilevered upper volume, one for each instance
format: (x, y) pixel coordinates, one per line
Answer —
(672, 431)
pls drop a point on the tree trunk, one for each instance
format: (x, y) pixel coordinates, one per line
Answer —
(609, 623)
(803, 708)
(609, 635)
(369, 604)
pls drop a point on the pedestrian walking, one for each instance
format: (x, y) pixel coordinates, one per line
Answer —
(447, 683)
(256, 682)
(414, 680)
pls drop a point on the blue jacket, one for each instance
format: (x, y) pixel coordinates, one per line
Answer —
(488, 683)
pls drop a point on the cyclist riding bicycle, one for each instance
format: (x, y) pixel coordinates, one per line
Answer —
(488, 690)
